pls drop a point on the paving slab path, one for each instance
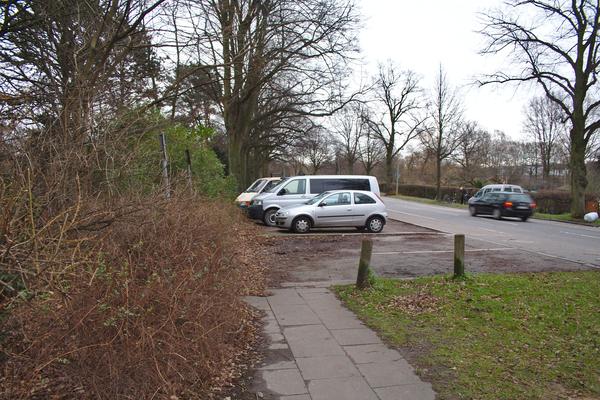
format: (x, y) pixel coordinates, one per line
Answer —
(318, 350)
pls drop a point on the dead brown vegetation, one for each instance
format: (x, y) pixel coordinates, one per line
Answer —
(135, 299)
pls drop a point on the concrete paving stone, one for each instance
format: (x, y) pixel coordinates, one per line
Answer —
(393, 373)
(303, 291)
(296, 397)
(275, 337)
(340, 319)
(347, 337)
(371, 353)
(258, 302)
(284, 381)
(278, 346)
(326, 367)
(284, 296)
(325, 304)
(415, 391)
(311, 341)
(279, 365)
(271, 326)
(268, 314)
(294, 314)
(352, 388)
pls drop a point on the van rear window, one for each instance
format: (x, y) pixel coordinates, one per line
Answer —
(320, 185)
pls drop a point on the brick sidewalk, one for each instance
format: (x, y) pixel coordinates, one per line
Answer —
(320, 351)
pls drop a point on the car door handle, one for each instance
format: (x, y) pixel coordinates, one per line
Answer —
(348, 209)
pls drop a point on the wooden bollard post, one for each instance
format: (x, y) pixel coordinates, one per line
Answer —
(366, 249)
(459, 256)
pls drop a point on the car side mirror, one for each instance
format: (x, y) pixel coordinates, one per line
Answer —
(322, 204)
(282, 192)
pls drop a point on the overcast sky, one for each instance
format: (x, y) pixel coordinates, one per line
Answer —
(419, 35)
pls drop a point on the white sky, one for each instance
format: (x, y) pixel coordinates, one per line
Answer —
(419, 35)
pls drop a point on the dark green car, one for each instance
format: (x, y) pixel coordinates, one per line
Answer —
(503, 204)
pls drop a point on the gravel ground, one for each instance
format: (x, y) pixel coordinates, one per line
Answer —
(404, 251)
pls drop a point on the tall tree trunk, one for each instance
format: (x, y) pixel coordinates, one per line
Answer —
(438, 178)
(578, 171)
(389, 169)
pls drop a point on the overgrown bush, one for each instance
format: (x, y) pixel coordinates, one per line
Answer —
(134, 300)
(559, 202)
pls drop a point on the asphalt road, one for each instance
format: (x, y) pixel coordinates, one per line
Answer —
(555, 239)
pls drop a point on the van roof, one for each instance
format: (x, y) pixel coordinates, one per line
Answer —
(334, 176)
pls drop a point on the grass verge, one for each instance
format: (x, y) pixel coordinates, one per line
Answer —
(513, 336)
(564, 218)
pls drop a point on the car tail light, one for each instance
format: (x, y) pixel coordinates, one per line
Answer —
(507, 204)
(533, 205)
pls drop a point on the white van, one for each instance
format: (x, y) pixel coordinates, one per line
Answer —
(299, 189)
(504, 187)
(260, 185)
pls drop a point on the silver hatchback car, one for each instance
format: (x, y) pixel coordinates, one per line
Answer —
(337, 208)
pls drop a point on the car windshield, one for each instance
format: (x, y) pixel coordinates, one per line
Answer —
(520, 197)
(255, 186)
(277, 187)
(317, 198)
(270, 185)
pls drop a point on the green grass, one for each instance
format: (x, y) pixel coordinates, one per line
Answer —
(512, 336)
(564, 217)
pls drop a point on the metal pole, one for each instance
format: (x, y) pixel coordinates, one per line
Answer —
(165, 165)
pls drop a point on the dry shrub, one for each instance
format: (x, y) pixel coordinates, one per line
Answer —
(140, 301)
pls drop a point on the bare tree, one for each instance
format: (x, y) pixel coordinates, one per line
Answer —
(557, 48)
(398, 95)
(472, 151)
(351, 128)
(278, 59)
(442, 136)
(316, 147)
(544, 124)
(371, 152)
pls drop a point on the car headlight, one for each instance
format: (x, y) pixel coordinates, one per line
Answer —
(257, 202)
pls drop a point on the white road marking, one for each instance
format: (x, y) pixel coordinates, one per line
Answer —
(579, 234)
(414, 215)
(441, 251)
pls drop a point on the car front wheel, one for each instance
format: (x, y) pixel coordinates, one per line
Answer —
(269, 217)
(375, 224)
(473, 211)
(301, 224)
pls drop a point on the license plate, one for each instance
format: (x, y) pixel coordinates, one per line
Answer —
(522, 207)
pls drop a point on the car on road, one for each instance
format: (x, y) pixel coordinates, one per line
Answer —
(504, 187)
(336, 208)
(258, 186)
(503, 204)
(298, 190)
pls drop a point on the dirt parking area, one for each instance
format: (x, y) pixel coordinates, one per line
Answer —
(402, 251)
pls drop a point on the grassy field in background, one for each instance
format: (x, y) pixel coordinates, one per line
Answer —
(510, 336)
(549, 217)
